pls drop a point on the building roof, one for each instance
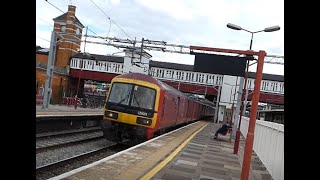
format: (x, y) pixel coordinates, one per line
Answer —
(168, 65)
(63, 17)
(40, 50)
(116, 59)
(271, 77)
(138, 51)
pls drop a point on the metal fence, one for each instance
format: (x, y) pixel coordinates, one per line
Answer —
(85, 102)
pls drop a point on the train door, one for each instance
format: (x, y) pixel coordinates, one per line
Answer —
(177, 106)
(163, 117)
(193, 110)
(169, 111)
(188, 110)
(183, 109)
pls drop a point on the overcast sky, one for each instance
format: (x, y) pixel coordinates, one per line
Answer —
(185, 22)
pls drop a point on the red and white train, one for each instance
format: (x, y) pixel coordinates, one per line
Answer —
(139, 107)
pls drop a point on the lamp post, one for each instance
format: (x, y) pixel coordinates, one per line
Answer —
(244, 95)
(217, 103)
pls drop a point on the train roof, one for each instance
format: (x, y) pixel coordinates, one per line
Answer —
(206, 102)
(150, 79)
(139, 76)
(163, 86)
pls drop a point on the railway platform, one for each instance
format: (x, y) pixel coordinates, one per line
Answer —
(62, 110)
(186, 153)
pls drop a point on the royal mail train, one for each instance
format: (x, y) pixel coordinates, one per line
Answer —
(139, 107)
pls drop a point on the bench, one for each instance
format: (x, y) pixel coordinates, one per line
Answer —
(229, 131)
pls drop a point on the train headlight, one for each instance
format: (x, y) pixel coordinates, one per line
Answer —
(110, 114)
(144, 121)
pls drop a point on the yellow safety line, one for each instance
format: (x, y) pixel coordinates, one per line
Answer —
(151, 173)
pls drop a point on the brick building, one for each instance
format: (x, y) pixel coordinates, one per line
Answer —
(61, 84)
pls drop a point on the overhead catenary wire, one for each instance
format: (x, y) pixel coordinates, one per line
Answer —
(110, 18)
(91, 31)
(43, 39)
(54, 6)
(45, 21)
(157, 45)
(67, 15)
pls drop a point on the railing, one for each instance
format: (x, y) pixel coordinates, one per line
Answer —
(186, 76)
(268, 145)
(86, 102)
(173, 75)
(267, 86)
(98, 66)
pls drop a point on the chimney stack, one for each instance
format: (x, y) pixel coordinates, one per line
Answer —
(71, 13)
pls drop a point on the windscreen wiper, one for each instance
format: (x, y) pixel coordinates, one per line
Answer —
(134, 97)
(125, 98)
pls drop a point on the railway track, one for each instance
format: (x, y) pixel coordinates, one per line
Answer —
(64, 132)
(59, 139)
(67, 164)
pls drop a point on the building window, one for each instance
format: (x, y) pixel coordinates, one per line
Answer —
(100, 66)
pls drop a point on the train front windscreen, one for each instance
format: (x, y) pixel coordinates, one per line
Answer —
(124, 94)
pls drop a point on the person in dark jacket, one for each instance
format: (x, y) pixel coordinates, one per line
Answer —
(222, 130)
